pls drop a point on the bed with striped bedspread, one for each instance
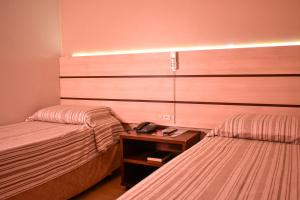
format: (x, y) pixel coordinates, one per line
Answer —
(226, 168)
(237, 162)
(32, 153)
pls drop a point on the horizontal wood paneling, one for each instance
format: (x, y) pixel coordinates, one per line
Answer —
(118, 88)
(268, 60)
(229, 82)
(116, 65)
(132, 112)
(265, 90)
(210, 116)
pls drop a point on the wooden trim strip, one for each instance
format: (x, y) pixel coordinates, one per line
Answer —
(188, 76)
(239, 104)
(187, 102)
(133, 76)
(126, 100)
(239, 75)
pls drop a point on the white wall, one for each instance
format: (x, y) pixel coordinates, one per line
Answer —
(29, 53)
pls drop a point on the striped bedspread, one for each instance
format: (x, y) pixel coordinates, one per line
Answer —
(225, 169)
(32, 153)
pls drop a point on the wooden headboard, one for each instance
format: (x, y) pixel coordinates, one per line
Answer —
(208, 86)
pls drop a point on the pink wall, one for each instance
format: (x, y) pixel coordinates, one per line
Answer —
(136, 24)
(29, 52)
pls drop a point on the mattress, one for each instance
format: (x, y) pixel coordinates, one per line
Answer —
(32, 153)
(226, 168)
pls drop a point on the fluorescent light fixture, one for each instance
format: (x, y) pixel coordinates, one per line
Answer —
(195, 48)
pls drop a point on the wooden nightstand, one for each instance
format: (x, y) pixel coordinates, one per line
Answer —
(137, 147)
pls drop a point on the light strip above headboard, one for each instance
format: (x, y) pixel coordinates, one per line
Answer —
(194, 48)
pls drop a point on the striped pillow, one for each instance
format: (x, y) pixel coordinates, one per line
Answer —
(66, 114)
(275, 128)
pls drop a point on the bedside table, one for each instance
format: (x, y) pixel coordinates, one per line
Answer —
(137, 147)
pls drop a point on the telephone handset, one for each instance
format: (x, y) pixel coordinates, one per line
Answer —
(146, 127)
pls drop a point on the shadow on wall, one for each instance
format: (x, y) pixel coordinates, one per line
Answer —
(29, 53)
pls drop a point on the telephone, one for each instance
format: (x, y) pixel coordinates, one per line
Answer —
(146, 127)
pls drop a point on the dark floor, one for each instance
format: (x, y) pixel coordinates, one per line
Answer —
(108, 189)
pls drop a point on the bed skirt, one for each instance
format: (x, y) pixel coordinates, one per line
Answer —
(78, 180)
